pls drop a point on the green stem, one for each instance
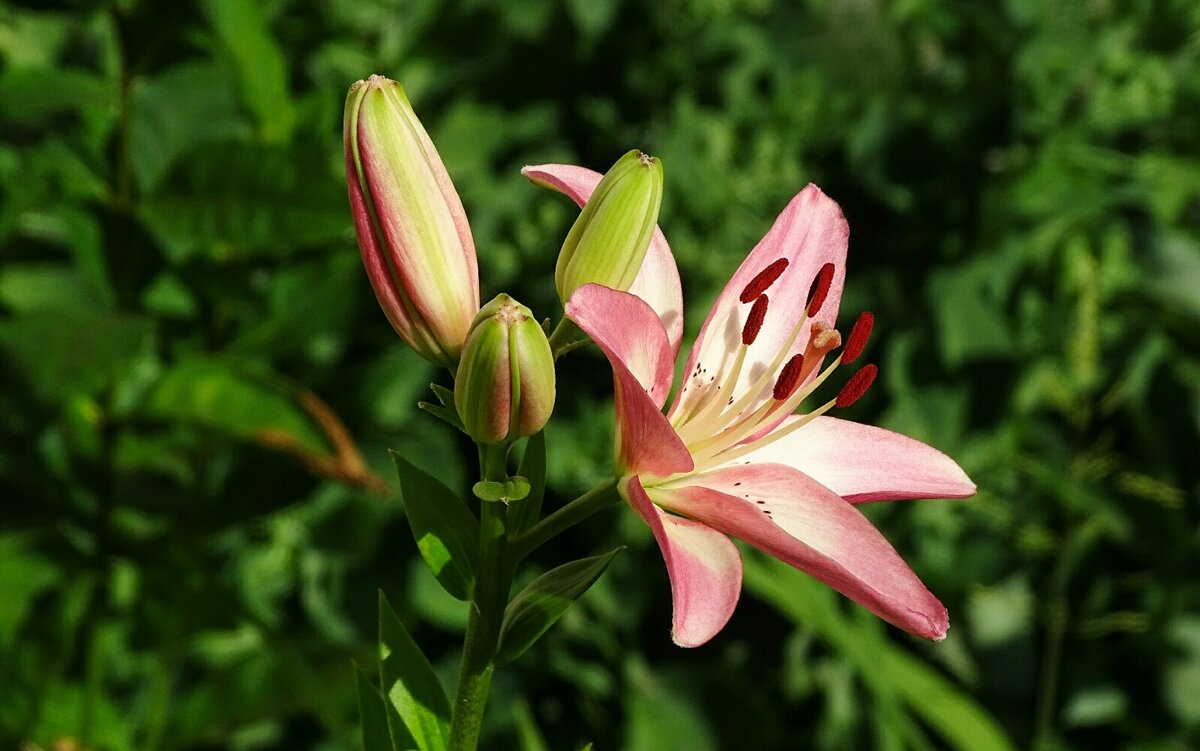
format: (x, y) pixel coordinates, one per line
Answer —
(597, 499)
(487, 611)
(560, 339)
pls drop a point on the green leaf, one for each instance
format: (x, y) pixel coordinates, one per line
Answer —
(75, 349)
(231, 201)
(522, 515)
(239, 399)
(254, 403)
(176, 110)
(373, 712)
(411, 685)
(26, 96)
(509, 489)
(447, 416)
(885, 669)
(536, 608)
(26, 575)
(942, 705)
(444, 395)
(660, 712)
(28, 287)
(528, 735)
(446, 531)
(261, 66)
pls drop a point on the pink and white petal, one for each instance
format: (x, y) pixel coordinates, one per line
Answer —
(809, 233)
(658, 284)
(626, 327)
(645, 441)
(704, 566)
(799, 521)
(862, 463)
(658, 280)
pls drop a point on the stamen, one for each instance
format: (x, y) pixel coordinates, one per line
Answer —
(856, 386)
(754, 321)
(820, 289)
(728, 445)
(789, 378)
(763, 280)
(858, 336)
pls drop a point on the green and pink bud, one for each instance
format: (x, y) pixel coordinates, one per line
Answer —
(504, 388)
(411, 226)
(608, 241)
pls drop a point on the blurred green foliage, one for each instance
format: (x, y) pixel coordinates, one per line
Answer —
(198, 390)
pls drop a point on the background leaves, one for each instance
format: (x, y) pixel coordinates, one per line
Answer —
(178, 275)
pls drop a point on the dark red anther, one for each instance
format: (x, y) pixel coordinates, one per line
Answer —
(820, 289)
(858, 337)
(763, 280)
(754, 321)
(857, 385)
(789, 378)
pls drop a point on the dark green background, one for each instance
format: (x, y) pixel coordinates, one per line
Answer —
(189, 557)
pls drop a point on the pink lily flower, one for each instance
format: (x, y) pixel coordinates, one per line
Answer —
(730, 457)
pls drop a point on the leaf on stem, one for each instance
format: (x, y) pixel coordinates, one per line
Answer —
(523, 515)
(411, 686)
(536, 608)
(373, 709)
(446, 531)
(446, 411)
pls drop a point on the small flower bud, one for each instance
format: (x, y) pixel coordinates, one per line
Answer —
(504, 388)
(412, 230)
(609, 239)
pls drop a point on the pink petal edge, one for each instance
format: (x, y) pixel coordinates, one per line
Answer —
(646, 442)
(627, 327)
(704, 567)
(792, 517)
(863, 463)
(810, 232)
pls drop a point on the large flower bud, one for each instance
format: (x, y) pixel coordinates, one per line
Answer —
(412, 230)
(609, 239)
(505, 383)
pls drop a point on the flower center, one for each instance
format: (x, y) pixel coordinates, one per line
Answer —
(721, 428)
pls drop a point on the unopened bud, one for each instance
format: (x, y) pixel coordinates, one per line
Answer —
(412, 230)
(505, 383)
(609, 239)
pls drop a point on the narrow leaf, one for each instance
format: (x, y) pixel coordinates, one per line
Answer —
(887, 671)
(448, 416)
(444, 395)
(411, 685)
(446, 531)
(248, 401)
(373, 710)
(532, 612)
(522, 515)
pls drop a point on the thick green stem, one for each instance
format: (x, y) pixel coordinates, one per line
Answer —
(492, 583)
(597, 499)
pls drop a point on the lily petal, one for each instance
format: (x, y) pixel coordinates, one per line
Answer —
(809, 233)
(623, 326)
(799, 521)
(862, 463)
(658, 281)
(626, 326)
(704, 566)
